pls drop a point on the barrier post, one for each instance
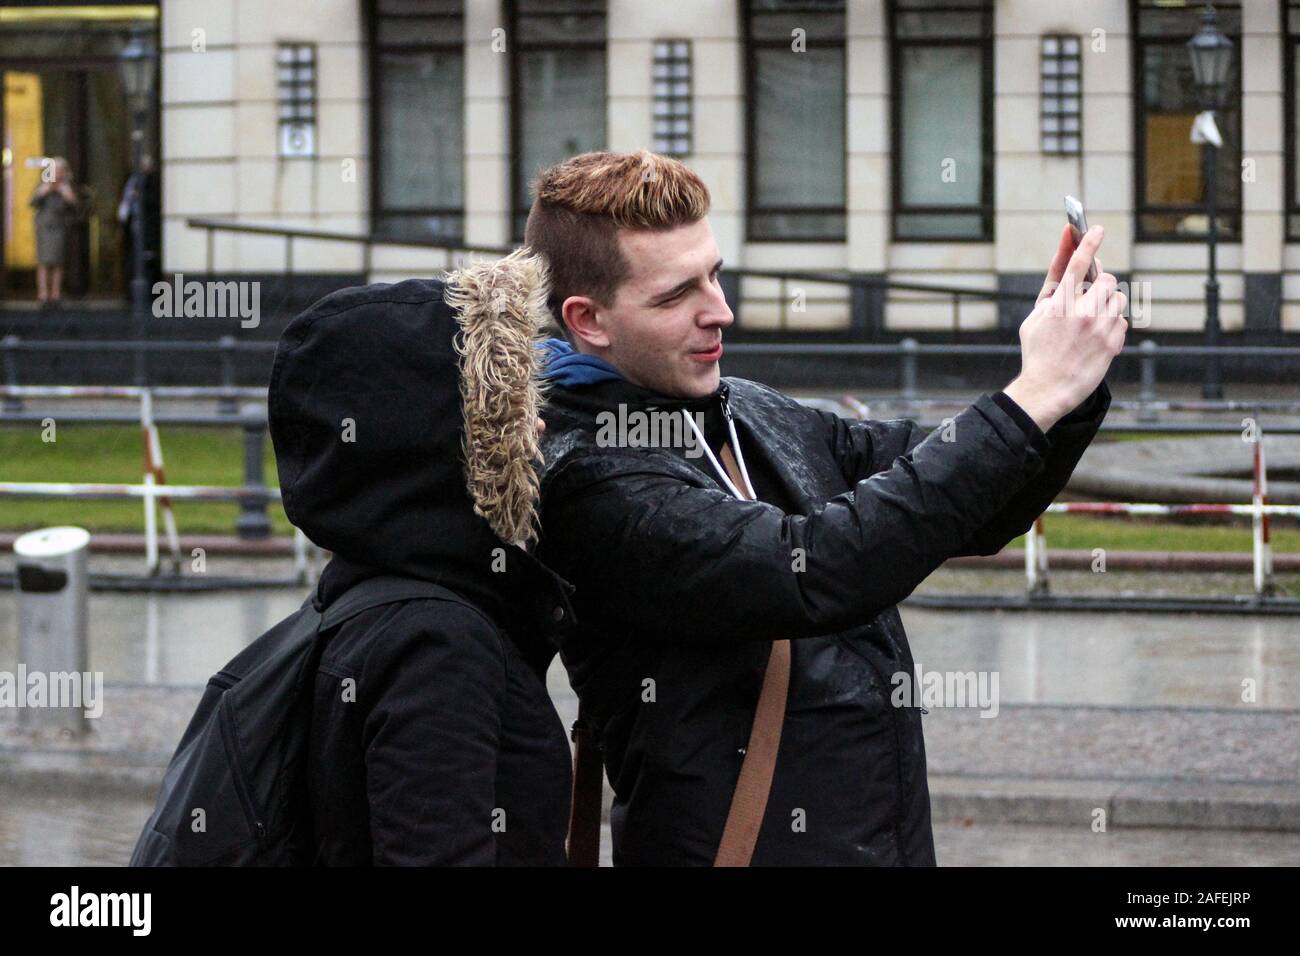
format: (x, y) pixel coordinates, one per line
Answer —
(1036, 559)
(253, 521)
(227, 404)
(1262, 546)
(153, 469)
(908, 371)
(300, 556)
(13, 403)
(1147, 390)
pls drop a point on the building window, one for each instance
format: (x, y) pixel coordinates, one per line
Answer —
(1060, 94)
(942, 119)
(557, 69)
(795, 119)
(1171, 170)
(672, 97)
(296, 79)
(1291, 69)
(417, 64)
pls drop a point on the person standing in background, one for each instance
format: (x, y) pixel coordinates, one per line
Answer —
(143, 181)
(54, 199)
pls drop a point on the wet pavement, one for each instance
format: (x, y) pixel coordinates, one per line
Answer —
(1183, 660)
(1094, 708)
(1040, 657)
(62, 831)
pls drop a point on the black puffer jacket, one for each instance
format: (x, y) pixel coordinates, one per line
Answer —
(680, 586)
(433, 740)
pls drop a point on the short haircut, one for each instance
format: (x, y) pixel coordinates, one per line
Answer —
(580, 204)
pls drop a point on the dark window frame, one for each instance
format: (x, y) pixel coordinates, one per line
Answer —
(986, 209)
(750, 46)
(1136, 75)
(1290, 156)
(378, 212)
(520, 205)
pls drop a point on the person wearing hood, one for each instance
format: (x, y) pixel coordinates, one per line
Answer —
(405, 424)
(739, 641)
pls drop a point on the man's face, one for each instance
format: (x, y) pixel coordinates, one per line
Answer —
(664, 327)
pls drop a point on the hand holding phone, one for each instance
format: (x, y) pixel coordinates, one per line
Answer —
(1078, 226)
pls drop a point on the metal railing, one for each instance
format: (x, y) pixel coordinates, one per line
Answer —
(909, 353)
(253, 497)
(224, 349)
(367, 241)
(862, 293)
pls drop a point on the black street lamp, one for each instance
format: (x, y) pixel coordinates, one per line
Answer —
(138, 62)
(1211, 55)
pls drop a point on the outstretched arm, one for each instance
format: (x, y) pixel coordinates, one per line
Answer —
(667, 558)
(864, 448)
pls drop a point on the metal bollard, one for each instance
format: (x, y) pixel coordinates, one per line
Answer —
(253, 522)
(908, 374)
(13, 403)
(51, 591)
(1147, 391)
(227, 404)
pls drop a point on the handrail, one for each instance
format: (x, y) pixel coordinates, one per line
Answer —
(373, 239)
(835, 277)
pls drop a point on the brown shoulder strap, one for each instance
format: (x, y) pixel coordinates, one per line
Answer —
(749, 802)
(583, 844)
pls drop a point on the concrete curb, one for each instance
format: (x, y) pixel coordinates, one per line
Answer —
(1127, 803)
(953, 798)
(1014, 558)
(80, 775)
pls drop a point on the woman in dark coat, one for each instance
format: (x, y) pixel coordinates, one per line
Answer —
(405, 423)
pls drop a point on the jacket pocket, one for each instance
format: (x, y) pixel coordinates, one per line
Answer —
(230, 739)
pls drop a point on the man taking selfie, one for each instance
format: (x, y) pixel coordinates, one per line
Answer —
(738, 632)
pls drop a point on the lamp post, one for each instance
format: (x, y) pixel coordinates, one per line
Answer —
(138, 61)
(1211, 55)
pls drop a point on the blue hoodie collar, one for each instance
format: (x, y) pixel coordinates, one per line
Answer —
(569, 368)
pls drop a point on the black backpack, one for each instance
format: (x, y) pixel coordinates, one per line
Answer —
(234, 793)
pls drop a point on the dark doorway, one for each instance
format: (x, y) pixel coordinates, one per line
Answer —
(63, 97)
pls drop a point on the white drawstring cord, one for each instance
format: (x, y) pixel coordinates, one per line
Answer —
(740, 458)
(713, 460)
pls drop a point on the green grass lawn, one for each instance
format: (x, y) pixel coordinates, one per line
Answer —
(1121, 533)
(215, 456)
(113, 453)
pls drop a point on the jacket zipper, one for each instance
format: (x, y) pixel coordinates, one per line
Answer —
(726, 404)
(236, 773)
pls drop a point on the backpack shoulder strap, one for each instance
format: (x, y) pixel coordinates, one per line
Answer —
(381, 590)
(583, 843)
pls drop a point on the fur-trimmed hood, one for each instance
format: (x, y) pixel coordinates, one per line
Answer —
(403, 418)
(501, 309)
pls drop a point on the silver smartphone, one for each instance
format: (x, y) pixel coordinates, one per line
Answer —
(1078, 226)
